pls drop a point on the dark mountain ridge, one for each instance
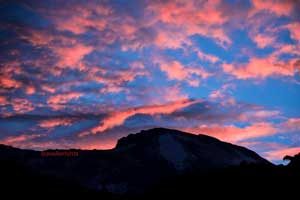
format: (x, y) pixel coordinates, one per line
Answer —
(139, 163)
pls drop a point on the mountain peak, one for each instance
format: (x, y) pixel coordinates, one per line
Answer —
(146, 136)
(139, 160)
(185, 150)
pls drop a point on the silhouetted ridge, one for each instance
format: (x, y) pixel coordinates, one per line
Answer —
(294, 161)
(138, 162)
(145, 136)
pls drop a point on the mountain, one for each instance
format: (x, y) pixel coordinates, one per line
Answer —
(138, 160)
(146, 161)
(183, 151)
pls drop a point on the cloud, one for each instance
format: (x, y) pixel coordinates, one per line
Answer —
(263, 41)
(261, 68)
(294, 30)
(52, 123)
(277, 155)
(176, 71)
(57, 102)
(114, 81)
(3, 101)
(9, 83)
(259, 115)
(280, 8)
(92, 15)
(118, 118)
(21, 105)
(235, 134)
(207, 57)
(70, 57)
(30, 90)
(223, 95)
(187, 19)
(231, 133)
(292, 124)
(17, 140)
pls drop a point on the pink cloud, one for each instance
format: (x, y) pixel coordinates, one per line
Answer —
(223, 95)
(70, 57)
(167, 39)
(258, 129)
(261, 68)
(78, 24)
(263, 40)
(277, 7)
(294, 30)
(279, 154)
(292, 124)
(52, 123)
(118, 118)
(30, 90)
(207, 57)
(57, 102)
(38, 38)
(48, 88)
(3, 101)
(17, 140)
(7, 82)
(114, 80)
(235, 134)
(176, 71)
(83, 143)
(22, 105)
(171, 94)
(187, 18)
(259, 115)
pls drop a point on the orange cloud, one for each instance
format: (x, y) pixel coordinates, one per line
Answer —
(118, 118)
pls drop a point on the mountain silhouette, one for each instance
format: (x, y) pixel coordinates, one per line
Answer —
(142, 162)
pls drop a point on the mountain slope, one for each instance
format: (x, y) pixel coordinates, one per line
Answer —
(139, 161)
(186, 151)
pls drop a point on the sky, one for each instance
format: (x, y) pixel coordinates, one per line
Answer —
(82, 74)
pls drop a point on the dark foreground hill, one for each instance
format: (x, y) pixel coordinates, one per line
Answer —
(153, 163)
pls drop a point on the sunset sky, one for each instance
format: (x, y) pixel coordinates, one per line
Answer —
(81, 74)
